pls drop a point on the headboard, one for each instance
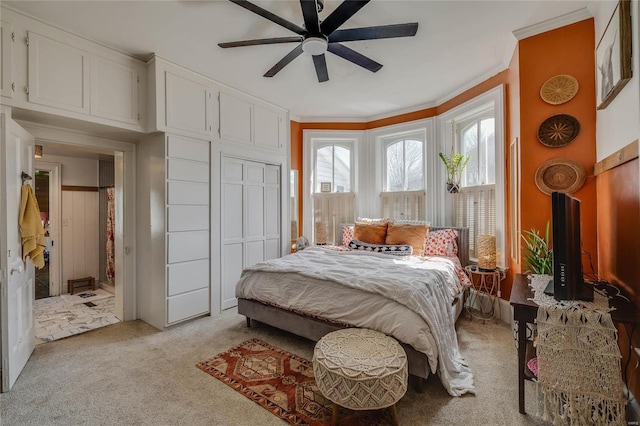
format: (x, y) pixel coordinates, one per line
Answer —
(462, 241)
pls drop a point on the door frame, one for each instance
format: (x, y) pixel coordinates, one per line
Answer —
(55, 219)
(124, 152)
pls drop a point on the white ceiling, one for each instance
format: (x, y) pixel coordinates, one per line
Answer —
(458, 42)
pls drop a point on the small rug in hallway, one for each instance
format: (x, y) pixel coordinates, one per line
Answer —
(86, 296)
(282, 383)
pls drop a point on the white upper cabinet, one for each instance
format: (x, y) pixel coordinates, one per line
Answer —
(252, 122)
(6, 59)
(58, 74)
(48, 70)
(266, 126)
(187, 103)
(180, 100)
(235, 118)
(114, 90)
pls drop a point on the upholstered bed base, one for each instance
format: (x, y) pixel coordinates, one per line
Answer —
(314, 329)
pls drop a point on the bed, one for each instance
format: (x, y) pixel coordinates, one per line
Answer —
(281, 296)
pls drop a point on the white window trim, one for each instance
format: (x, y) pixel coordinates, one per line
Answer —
(445, 204)
(377, 156)
(312, 139)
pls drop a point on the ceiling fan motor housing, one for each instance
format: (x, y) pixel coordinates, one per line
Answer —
(315, 46)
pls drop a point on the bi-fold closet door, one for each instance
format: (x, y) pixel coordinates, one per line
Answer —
(250, 219)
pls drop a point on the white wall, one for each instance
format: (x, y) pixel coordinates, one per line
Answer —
(75, 171)
(79, 235)
(619, 123)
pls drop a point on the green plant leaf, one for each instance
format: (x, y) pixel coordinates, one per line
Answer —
(537, 253)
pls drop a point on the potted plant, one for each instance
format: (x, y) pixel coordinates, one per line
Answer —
(455, 166)
(537, 253)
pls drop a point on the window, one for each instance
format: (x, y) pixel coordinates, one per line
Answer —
(476, 128)
(404, 165)
(333, 165)
(329, 184)
(403, 194)
(476, 138)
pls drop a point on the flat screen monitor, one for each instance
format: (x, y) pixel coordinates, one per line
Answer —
(568, 282)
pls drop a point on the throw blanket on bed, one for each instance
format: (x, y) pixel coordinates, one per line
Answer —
(419, 284)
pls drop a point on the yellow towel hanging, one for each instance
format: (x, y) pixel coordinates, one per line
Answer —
(33, 240)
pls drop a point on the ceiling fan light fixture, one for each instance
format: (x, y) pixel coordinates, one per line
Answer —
(315, 46)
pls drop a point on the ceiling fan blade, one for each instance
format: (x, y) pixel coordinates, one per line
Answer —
(341, 14)
(284, 61)
(259, 41)
(353, 56)
(270, 16)
(372, 33)
(310, 14)
(320, 63)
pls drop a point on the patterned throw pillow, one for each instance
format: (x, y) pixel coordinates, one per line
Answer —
(441, 243)
(347, 234)
(399, 250)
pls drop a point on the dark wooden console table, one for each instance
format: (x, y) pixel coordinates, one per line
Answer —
(525, 311)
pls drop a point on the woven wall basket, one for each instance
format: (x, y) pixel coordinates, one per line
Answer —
(559, 89)
(560, 175)
(558, 130)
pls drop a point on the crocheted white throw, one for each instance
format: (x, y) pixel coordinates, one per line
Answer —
(579, 381)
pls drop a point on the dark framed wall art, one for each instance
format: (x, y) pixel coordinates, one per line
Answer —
(613, 55)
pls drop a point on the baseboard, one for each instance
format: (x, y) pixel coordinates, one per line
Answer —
(107, 287)
(504, 312)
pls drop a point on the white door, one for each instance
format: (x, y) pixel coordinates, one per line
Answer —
(16, 277)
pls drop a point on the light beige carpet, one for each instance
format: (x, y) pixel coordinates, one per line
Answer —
(131, 374)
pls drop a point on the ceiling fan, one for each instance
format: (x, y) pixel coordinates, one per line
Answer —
(317, 37)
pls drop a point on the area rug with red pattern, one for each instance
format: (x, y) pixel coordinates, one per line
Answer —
(282, 383)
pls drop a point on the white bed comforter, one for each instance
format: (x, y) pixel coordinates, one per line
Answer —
(425, 287)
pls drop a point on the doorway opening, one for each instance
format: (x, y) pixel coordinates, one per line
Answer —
(80, 233)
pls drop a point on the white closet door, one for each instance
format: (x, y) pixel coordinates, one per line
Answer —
(232, 229)
(250, 219)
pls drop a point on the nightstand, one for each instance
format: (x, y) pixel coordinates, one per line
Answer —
(481, 302)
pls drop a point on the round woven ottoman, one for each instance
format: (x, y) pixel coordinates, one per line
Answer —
(360, 369)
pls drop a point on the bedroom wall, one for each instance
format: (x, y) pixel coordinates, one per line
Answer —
(618, 189)
(513, 132)
(567, 50)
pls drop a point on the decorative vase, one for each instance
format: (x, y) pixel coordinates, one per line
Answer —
(453, 188)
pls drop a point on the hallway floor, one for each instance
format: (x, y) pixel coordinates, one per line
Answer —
(61, 316)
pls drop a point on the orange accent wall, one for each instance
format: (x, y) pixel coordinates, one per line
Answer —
(296, 164)
(513, 132)
(567, 50)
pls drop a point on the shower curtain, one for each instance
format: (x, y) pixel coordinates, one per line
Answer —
(111, 224)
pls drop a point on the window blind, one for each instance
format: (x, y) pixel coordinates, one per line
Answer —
(331, 210)
(475, 208)
(408, 205)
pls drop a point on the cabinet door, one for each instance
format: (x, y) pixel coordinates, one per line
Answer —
(266, 128)
(114, 90)
(58, 74)
(187, 104)
(235, 119)
(6, 60)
